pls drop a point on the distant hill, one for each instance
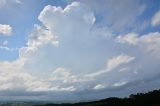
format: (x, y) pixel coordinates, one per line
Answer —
(140, 99)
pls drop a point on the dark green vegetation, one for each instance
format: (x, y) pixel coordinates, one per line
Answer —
(140, 99)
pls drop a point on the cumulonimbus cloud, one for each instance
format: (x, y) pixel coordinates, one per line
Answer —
(66, 36)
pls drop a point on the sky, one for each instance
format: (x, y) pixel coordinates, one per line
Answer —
(76, 50)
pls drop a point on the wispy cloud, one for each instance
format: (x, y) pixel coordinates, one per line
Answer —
(5, 30)
(156, 19)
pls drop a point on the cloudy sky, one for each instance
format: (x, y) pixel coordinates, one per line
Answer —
(78, 49)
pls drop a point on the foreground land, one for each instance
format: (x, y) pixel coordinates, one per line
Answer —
(141, 99)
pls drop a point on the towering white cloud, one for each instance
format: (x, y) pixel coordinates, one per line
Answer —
(56, 18)
(41, 36)
(111, 65)
(110, 13)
